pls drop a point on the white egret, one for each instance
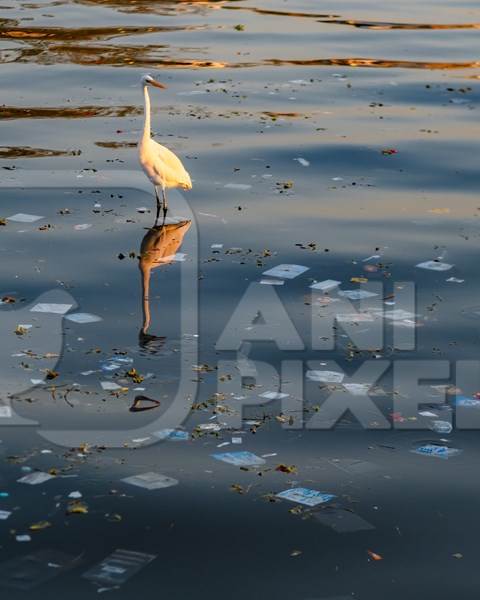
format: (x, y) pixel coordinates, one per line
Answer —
(161, 165)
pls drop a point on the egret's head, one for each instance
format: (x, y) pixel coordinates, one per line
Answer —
(149, 80)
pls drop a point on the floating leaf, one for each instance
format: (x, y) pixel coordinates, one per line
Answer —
(40, 525)
(77, 508)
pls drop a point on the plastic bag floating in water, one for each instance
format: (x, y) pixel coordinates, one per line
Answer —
(118, 567)
(172, 435)
(24, 218)
(151, 481)
(325, 286)
(325, 376)
(56, 309)
(433, 265)
(305, 496)
(286, 271)
(441, 427)
(240, 459)
(35, 478)
(83, 318)
(356, 294)
(444, 452)
(464, 401)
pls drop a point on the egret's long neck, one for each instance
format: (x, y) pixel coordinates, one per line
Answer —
(146, 271)
(146, 126)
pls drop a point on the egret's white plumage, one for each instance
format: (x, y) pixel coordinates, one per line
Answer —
(161, 165)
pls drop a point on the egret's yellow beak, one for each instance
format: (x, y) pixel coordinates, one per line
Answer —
(157, 84)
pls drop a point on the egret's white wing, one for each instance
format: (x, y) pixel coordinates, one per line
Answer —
(171, 165)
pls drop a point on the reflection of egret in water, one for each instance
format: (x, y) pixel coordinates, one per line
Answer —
(158, 248)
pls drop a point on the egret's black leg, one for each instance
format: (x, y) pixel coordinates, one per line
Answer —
(165, 204)
(158, 205)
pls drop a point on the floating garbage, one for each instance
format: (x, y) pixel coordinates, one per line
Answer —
(273, 395)
(142, 403)
(427, 413)
(373, 257)
(356, 294)
(4, 514)
(209, 427)
(272, 281)
(151, 481)
(35, 478)
(305, 496)
(286, 271)
(83, 318)
(24, 218)
(466, 402)
(357, 389)
(433, 265)
(441, 427)
(118, 567)
(325, 376)
(82, 226)
(354, 318)
(172, 435)
(109, 366)
(237, 186)
(110, 386)
(398, 314)
(444, 452)
(303, 161)
(40, 525)
(325, 286)
(240, 459)
(51, 308)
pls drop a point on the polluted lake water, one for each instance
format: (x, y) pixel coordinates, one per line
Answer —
(275, 391)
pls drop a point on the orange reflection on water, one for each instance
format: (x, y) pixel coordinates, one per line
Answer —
(158, 248)
(29, 152)
(63, 112)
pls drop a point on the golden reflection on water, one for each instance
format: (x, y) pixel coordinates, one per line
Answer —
(153, 56)
(83, 33)
(281, 13)
(160, 56)
(386, 26)
(372, 63)
(159, 7)
(29, 152)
